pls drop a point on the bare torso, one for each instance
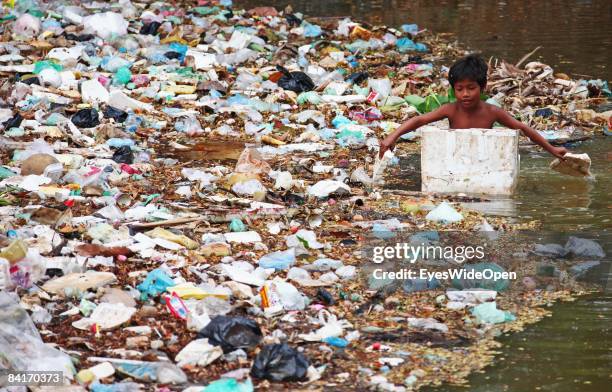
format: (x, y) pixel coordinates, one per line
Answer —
(483, 116)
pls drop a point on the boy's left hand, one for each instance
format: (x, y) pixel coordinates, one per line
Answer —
(559, 152)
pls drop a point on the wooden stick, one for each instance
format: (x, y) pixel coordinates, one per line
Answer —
(525, 57)
(169, 222)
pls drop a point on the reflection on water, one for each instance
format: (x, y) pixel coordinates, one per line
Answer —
(543, 358)
(566, 203)
(575, 36)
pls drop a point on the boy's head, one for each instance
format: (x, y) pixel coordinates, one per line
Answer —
(468, 77)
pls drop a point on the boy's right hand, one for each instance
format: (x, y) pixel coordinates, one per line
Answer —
(385, 145)
(559, 152)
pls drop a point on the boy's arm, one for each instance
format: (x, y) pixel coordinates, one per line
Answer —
(507, 120)
(388, 143)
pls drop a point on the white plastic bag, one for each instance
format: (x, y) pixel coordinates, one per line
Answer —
(331, 327)
(106, 24)
(380, 165)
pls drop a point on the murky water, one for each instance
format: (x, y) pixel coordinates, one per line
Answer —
(575, 35)
(570, 351)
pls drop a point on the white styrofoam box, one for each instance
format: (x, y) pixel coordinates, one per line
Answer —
(471, 161)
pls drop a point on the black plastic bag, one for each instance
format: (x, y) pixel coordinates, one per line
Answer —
(86, 118)
(295, 81)
(172, 55)
(123, 155)
(357, 77)
(31, 80)
(116, 114)
(232, 333)
(80, 38)
(293, 20)
(279, 362)
(13, 122)
(150, 29)
(325, 297)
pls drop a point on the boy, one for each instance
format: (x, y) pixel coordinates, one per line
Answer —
(468, 77)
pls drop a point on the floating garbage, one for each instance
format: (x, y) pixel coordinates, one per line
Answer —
(487, 313)
(444, 213)
(577, 165)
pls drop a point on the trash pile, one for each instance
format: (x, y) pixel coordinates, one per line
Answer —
(185, 190)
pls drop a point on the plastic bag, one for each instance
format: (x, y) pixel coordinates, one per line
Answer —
(278, 295)
(311, 30)
(309, 97)
(232, 333)
(237, 226)
(106, 25)
(484, 283)
(156, 282)
(488, 313)
(162, 372)
(444, 213)
(380, 165)
(295, 81)
(198, 352)
(86, 118)
(279, 362)
(357, 77)
(123, 154)
(26, 26)
(419, 284)
(280, 260)
(12, 314)
(325, 297)
(249, 188)
(229, 385)
(331, 327)
(381, 86)
(189, 124)
(150, 28)
(13, 122)
(21, 347)
(325, 188)
(427, 323)
(251, 161)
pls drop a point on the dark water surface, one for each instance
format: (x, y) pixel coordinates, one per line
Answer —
(576, 36)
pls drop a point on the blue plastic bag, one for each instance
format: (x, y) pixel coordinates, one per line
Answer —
(278, 260)
(156, 282)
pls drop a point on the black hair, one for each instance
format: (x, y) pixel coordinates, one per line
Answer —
(470, 67)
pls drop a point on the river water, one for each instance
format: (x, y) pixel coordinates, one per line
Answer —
(575, 36)
(572, 350)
